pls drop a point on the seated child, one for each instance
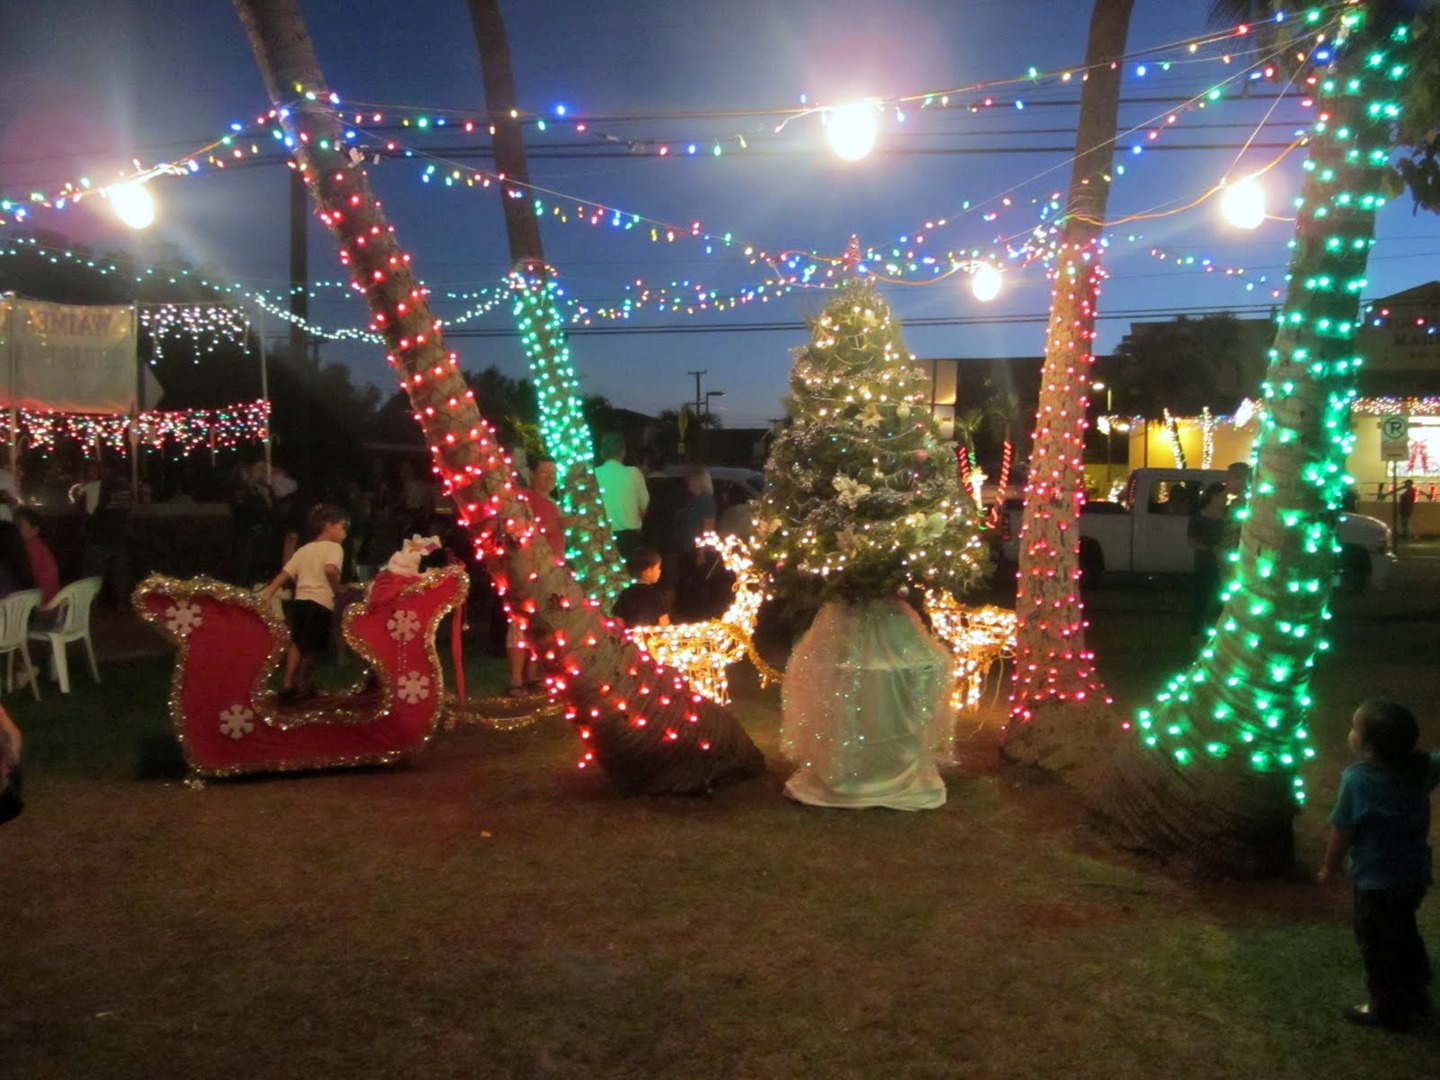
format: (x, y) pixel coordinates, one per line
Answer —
(643, 602)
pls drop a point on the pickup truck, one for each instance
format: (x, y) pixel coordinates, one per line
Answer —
(1144, 533)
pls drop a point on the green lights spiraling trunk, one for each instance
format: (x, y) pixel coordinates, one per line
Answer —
(590, 547)
(1214, 772)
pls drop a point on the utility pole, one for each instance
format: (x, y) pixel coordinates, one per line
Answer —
(699, 398)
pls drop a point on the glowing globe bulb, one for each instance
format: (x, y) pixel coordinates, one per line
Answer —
(1243, 203)
(985, 282)
(851, 130)
(132, 204)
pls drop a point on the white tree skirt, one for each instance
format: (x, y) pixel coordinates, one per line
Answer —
(866, 713)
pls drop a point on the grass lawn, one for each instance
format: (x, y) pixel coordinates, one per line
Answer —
(491, 911)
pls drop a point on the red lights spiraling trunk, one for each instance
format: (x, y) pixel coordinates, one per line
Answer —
(645, 727)
(1054, 671)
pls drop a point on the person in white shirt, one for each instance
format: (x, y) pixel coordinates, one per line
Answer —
(623, 492)
(315, 569)
(9, 492)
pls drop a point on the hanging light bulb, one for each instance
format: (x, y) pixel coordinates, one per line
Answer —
(132, 204)
(985, 282)
(1243, 203)
(851, 130)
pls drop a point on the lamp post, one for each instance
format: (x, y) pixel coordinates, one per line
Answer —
(708, 395)
(1109, 435)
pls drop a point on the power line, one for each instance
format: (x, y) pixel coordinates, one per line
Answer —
(792, 325)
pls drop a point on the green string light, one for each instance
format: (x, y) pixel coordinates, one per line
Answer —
(589, 547)
(1250, 685)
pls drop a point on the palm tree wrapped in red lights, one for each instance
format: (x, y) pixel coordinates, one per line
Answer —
(641, 723)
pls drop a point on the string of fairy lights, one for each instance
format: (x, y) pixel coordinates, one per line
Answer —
(265, 134)
(566, 435)
(178, 431)
(207, 327)
(1053, 664)
(790, 270)
(805, 269)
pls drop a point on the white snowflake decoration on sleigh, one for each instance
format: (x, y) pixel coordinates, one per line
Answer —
(183, 618)
(403, 625)
(413, 687)
(236, 722)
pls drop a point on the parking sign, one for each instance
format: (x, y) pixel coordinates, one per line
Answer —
(1395, 438)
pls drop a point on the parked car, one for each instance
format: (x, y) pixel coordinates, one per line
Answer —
(749, 483)
(733, 487)
(1144, 533)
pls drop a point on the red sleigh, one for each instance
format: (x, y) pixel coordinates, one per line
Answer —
(226, 715)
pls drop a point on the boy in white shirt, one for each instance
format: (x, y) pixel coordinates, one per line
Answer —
(315, 569)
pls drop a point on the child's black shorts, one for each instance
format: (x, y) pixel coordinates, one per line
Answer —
(310, 627)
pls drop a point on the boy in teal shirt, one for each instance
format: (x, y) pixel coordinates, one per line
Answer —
(1382, 821)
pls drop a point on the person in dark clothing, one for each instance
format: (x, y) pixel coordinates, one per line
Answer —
(106, 552)
(1207, 534)
(642, 602)
(14, 563)
(1381, 822)
(696, 596)
(1408, 497)
(252, 511)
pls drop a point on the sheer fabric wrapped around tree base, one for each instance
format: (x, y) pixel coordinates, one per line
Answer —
(866, 712)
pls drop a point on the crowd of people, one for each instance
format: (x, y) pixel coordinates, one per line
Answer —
(679, 578)
(81, 522)
(660, 539)
(100, 502)
(78, 519)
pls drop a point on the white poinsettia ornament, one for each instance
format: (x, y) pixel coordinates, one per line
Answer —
(849, 491)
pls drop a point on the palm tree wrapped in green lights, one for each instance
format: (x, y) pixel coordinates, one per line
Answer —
(590, 548)
(1214, 773)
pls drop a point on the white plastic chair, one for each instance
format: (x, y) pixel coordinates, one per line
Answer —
(71, 606)
(15, 612)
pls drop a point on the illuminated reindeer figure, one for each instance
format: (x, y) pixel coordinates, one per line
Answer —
(977, 637)
(703, 650)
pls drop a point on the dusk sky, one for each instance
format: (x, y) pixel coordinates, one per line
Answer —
(88, 86)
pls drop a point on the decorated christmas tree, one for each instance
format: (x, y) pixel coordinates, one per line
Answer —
(863, 500)
(861, 493)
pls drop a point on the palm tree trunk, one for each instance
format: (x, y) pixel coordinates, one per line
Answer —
(497, 73)
(562, 422)
(1053, 669)
(645, 727)
(1214, 775)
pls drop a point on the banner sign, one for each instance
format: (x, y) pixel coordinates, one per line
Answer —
(67, 357)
